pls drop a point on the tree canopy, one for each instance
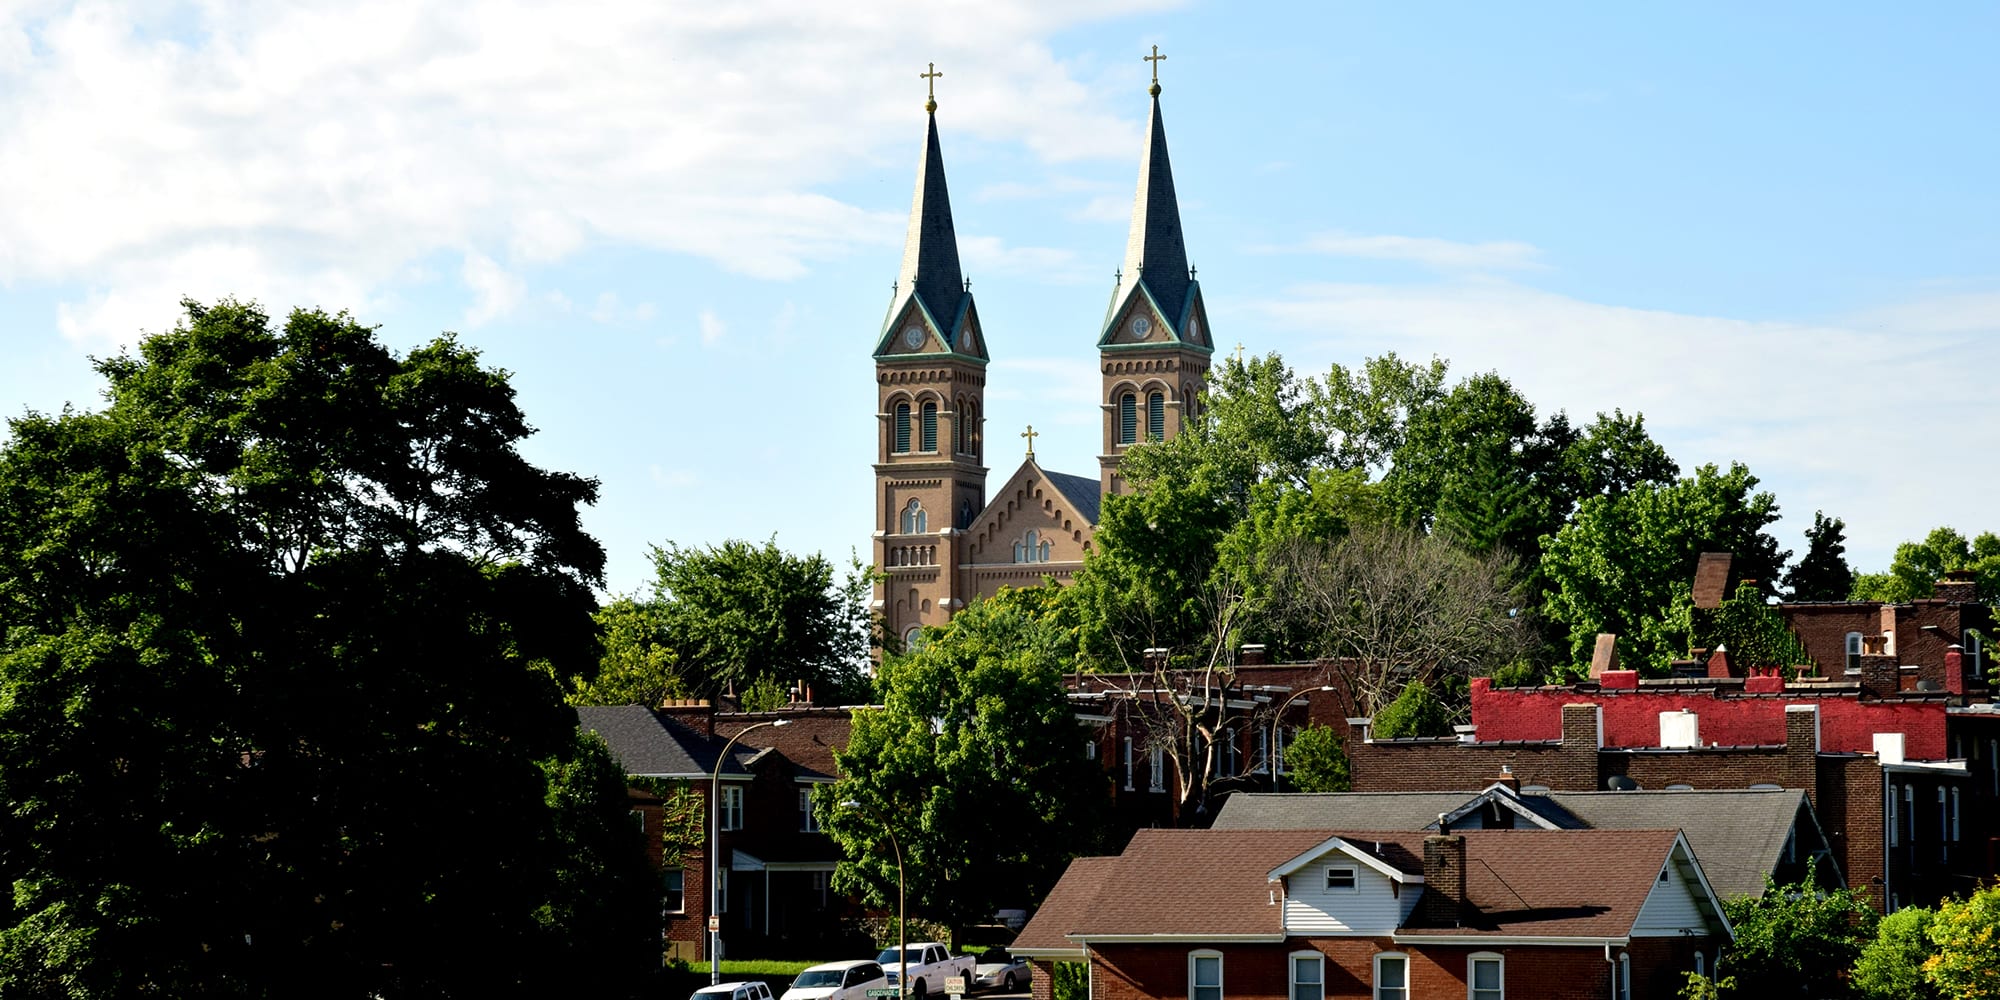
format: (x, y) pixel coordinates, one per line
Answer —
(1796, 939)
(279, 629)
(735, 617)
(1622, 562)
(1822, 574)
(974, 762)
(1918, 565)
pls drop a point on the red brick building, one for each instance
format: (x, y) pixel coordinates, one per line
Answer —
(776, 867)
(1300, 914)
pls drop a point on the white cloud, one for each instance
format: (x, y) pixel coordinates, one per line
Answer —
(1963, 312)
(1106, 208)
(1868, 423)
(339, 144)
(1057, 389)
(990, 254)
(1449, 255)
(495, 292)
(712, 327)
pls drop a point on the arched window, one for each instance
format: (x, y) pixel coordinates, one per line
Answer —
(902, 428)
(1156, 416)
(930, 427)
(964, 514)
(916, 520)
(1204, 975)
(1048, 549)
(1128, 418)
(1854, 651)
(913, 639)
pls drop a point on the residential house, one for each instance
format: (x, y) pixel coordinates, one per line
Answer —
(775, 866)
(1741, 835)
(1313, 914)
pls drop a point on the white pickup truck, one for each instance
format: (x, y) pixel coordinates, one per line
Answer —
(930, 964)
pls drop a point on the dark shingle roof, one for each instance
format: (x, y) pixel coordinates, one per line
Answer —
(1155, 253)
(649, 744)
(1083, 493)
(1530, 882)
(1226, 870)
(1739, 834)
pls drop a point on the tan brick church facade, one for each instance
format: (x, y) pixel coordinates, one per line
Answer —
(941, 539)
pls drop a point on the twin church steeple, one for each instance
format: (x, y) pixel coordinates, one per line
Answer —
(939, 543)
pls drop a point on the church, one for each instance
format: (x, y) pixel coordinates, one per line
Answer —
(941, 539)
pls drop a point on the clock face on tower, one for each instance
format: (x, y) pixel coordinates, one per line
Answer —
(912, 336)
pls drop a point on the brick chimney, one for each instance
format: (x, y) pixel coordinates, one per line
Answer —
(1443, 901)
(1251, 655)
(1605, 655)
(1801, 766)
(695, 713)
(1507, 778)
(1958, 586)
(1718, 665)
(1954, 669)
(1576, 759)
(1155, 657)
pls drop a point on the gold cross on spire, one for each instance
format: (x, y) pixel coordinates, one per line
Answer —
(930, 82)
(1031, 436)
(1239, 352)
(1155, 60)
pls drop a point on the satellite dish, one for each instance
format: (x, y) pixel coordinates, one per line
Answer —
(1621, 783)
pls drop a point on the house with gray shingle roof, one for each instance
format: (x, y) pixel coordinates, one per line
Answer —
(1346, 913)
(1742, 835)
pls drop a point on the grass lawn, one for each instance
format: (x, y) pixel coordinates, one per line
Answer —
(771, 967)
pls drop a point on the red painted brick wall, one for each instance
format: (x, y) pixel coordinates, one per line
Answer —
(1632, 718)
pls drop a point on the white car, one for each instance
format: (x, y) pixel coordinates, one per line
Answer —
(732, 991)
(838, 981)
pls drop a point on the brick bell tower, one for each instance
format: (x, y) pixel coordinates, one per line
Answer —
(1154, 347)
(930, 377)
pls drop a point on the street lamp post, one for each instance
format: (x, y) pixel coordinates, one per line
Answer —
(902, 923)
(715, 850)
(1277, 717)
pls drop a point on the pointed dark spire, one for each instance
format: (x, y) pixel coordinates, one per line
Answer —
(1155, 255)
(930, 253)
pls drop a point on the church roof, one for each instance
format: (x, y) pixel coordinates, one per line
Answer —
(1156, 260)
(931, 272)
(1082, 492)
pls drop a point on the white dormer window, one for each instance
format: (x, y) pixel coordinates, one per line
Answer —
(1340, 879)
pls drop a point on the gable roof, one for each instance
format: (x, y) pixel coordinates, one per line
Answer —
(1546, 884)
(1739, 834)
(1084, 493)
(648, 744)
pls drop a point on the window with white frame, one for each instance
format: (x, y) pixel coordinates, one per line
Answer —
(807, 821)
(1854, 651)
(1128, 763)
(1485, 976)
(1308, 972)
(1392, 976)
(732, 808)
(1262, 762)
(1156, 769)
(1204, 975)
(1895, 825)
(1340, 878)
(1278, 755)
(821, 889)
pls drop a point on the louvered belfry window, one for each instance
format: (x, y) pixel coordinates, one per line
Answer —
(902, 427)
(1156, 416)
(1128, 418)
(930, 426)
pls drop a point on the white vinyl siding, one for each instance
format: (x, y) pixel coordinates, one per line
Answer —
(1670, 908)
(1371, 907)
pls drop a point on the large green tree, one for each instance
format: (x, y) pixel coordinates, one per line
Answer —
(974, 763)
(1891, 967)
(736, 617)
(1796, 940)
(1622, 562)
(1966, 936)
(1822, 574)
(279, 629)
(1918, 565)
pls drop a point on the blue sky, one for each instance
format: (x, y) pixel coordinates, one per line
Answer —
(1772, 228)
